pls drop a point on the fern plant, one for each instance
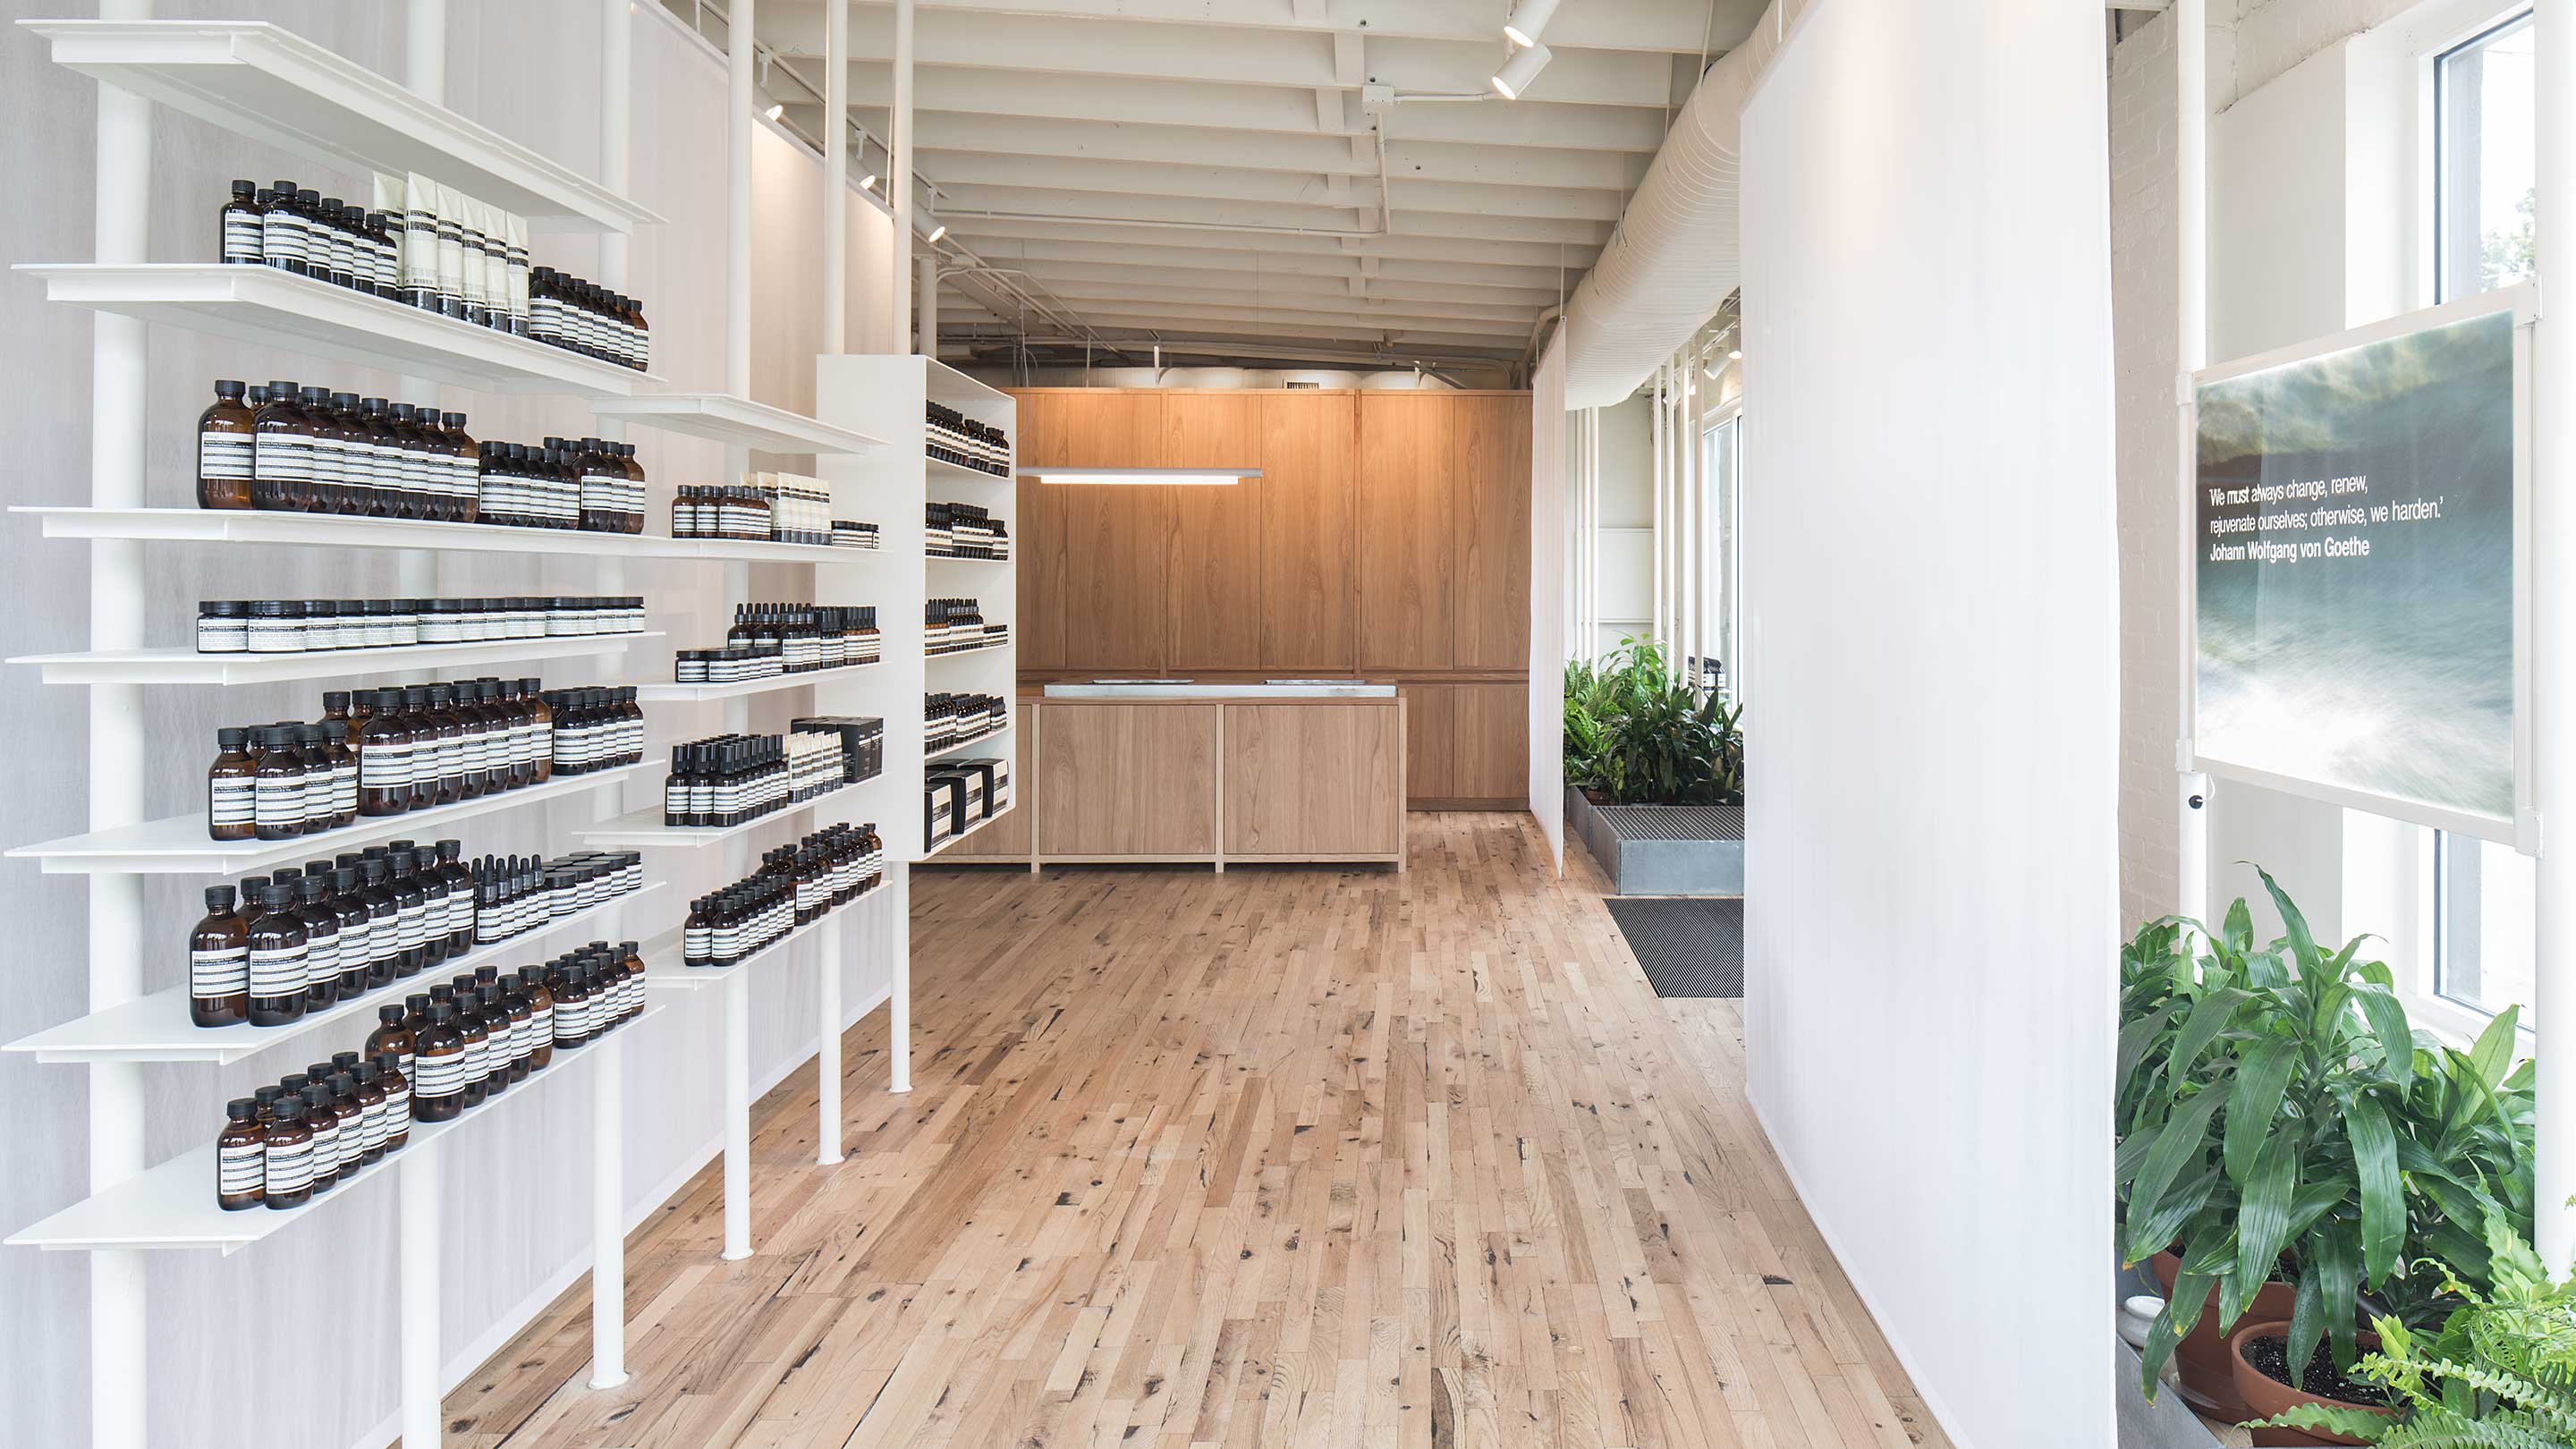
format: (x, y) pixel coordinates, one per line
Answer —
(2500, 1372)
(1643, 736)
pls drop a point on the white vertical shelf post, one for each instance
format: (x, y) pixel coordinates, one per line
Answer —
(420, 1190)
(119, 1416)
(899, 991)
(607, 1214)
(737, 1114)
(2191, 353)
(2553, 586)
(827, 1051)
(608, 1086)
(425, 75)
(741, 46)
(929, 304)
(836, 175)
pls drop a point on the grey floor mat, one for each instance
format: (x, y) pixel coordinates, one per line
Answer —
(1689, 946)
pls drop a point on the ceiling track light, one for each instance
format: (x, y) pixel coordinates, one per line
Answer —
(937, 232)
(868, 182)
(1517, 73)
(1529, 20)
(776, 110)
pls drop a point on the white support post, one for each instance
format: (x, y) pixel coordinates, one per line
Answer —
(836, 175)
(425, 75)
(2191, 352)
(737, 1117)
(827, 1052)
(739, 53)
(117, 748)
(899, 993)
(608, 1214)
(929, 306)
(419, 1173)
(899, 173)
(2553, 607)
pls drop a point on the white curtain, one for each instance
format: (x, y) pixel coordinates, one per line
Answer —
(1547, 595)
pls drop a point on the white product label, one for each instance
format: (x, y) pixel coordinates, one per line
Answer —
(240, 1168)
(376, 1125)
(344, 789)
(384, 766)
(278, 801)
(277, 971)
(412, 926)
(231, 800)
(223, 455)
(398, 1102)
(439, 1076)
(221, 972)
(322, 958)
(478, 1058)
(287, 1167)
(540, 1028)
(326, 1143)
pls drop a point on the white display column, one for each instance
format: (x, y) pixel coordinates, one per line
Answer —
(2553, 608)
(2191, 337)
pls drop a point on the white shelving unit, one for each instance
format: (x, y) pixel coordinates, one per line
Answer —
(256, 80)
(725, 418)
(268, 307)
(187, 666)
(644, 830)
(156, 1028)
(980, 745)
(740, 689)
(326, 530)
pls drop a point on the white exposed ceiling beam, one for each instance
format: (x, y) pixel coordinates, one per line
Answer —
(1253, 323)
(958, 170)
(1288, 60)
(1203, 299)
(1675, 26)
(1037, 96)
(999, 235)
(961, 203)
(1247, 278)
(1324, 269)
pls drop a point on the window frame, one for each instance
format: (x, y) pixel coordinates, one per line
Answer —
(2435, 121)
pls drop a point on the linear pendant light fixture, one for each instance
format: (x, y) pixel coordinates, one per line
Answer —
(1520, 70)
(1208, 477)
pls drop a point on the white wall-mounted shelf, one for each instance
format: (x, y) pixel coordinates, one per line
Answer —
(701, 693)
(172, 1205)
(274, 86)
(962, 653)
(943, 847)
(736, 420)
(178, 845)
(331, 530)
(644, 830)
(950, 558)
(272, 308)
(187, 666)
(962, 746)
(156, 1028)
(941, 468)
(662, 965)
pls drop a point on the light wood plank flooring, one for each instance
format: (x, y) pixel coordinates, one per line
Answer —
(1294, 1156)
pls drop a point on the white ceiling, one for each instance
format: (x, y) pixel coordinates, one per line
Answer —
(1205, 173)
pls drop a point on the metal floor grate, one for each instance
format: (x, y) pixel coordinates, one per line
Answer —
(1675, 822)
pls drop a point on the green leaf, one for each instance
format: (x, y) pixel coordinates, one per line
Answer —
(2338, 1260)
(2492, 1055)
(2302, 945)
(2137, 1036)
(2181, 1314)
(2383, 1205)
(2307, 1311)
(2237, 931)
(2262, 1223)
(2178, 1207)
(2209, 1017)
(2182, 1137)
(2387, 1018)
(2252, 1102)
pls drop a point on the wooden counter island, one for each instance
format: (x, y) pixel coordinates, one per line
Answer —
(1211, 774)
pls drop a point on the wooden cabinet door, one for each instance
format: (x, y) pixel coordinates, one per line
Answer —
(1490, 443)
(1492, 742)
(1113, 538)
(1214, 606)
(1127, 779)
(1407, 516)
(1309, 501)
(1312, 779)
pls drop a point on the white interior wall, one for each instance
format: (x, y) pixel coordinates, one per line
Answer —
(1624, 587)
(1546, 591)
(1925, 198)
(518, 1190)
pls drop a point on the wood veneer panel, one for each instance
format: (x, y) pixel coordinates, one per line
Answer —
(1114, 538)
(1407, 513)
(1490, 438)
(1430, 739)
(1007, 837)
(1309, 531)
(1038, 549)
(1214, 558)
(1128, 779)
(1304, 779)
(1490, 727)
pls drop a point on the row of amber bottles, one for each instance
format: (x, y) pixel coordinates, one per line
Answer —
(328, 931)
(471, 1038)
(298, 449)
(293, 1141)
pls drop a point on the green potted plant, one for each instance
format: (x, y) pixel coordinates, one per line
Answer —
(2498, 1373)
(2286, 1140)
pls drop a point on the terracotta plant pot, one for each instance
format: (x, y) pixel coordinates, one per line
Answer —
(2266, 1396)
(2208, 1368)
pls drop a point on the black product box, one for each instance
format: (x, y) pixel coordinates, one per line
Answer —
(862, 742)
(992, 780)
(944, 808)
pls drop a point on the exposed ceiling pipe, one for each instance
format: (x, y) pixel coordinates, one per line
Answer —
(1676, 254)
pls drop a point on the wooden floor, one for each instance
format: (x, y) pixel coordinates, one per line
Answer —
(1287, 1156)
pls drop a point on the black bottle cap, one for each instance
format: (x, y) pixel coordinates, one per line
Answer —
(241, 1109)
(366, 1074)
(218, 898)
(387, 1061)
(389, 1014)
(289, 1108)
(417, 1001)
(244, 188)
(344, 1060)
(231, 739)
(317, 1096)
(293, 1082)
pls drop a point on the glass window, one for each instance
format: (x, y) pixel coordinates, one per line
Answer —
(1721, 453)
(2482, 924)
(2484, 168)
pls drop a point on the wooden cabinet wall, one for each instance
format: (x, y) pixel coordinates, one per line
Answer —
(1389, 536)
